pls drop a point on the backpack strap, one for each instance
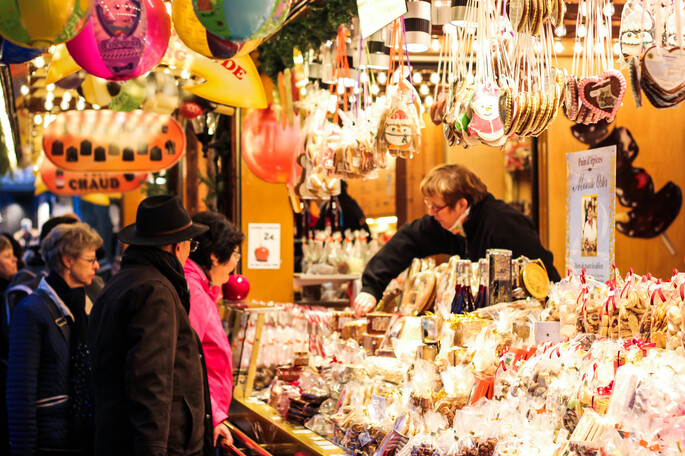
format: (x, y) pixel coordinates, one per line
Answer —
(60, 320)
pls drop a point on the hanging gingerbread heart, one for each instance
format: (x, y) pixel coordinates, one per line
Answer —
(666, 67)
(603, 94)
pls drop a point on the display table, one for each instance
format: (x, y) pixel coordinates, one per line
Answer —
(264, 424)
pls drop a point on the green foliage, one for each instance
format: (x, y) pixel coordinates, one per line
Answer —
(153, 188)
(214, 189)
(318, 25)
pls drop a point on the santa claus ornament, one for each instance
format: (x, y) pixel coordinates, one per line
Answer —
(486, 122)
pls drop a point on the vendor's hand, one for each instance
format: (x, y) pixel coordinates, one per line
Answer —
(363, 304)
(222, 435)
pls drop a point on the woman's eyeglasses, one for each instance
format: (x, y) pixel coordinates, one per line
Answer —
(194, 245)
(236, 256)
(433, 209)
(92, 261)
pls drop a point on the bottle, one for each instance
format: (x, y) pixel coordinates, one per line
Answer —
(482, 294)
(463, 298)
(334, 215)
(499, 273)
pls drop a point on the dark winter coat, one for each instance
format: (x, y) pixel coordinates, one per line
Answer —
(147, 365)
(38, 377)
(491, 224)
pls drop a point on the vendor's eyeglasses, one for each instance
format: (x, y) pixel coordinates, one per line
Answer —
(433, 209)
(194, 245)
(236, 255)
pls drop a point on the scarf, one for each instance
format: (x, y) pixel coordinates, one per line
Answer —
(458, 227)
(164, 262)
(80, 374)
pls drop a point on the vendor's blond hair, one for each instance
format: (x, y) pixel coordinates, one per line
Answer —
(452, 182)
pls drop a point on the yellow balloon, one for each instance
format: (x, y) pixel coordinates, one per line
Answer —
(95, 91)
(194, 35)
(41, 23)
(61, 65)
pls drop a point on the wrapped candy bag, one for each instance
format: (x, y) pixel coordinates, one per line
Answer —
(565, 294)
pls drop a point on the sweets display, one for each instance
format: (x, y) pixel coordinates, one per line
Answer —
(476, 383)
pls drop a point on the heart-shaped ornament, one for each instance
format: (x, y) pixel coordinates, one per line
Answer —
(666, 67)
(603, 94)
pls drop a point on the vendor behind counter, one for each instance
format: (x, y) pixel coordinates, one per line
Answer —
(463, 219)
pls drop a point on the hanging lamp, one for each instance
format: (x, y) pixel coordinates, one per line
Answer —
(378, 57)
(417, 23)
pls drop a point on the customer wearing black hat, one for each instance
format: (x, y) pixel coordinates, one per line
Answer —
(150, 386)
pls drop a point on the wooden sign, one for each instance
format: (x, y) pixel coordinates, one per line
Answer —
(73, 183)
(109, 141)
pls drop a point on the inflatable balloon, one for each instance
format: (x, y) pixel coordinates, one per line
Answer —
(240, 21)
(61, 65)
(194, 35)
(40, 24)
(71, 82)
(94, 90)
(268, 149)
(237, 288)
(162, 94)
(123, 39)
(11, 53)
(130, 96)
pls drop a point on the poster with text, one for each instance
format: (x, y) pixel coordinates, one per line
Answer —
(264, 246)
(590, 206)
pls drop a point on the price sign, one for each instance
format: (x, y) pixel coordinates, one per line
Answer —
(264, 246)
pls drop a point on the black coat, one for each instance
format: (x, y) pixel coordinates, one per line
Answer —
(491, 224)
(147, 368)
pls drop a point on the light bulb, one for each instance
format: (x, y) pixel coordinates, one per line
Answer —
(428, 101)
(185, 74)
(617, 48)
(581, 31)
(24, 90)
(49, 105)
(417, 78)
(560, 31)
(434, 78)
(341, 87)
(374, 89)
(37, 119)
(50, 87)
(303, 91)
(423, 90)
(96, 107)
(382, 78)
(39, 62)
(66, 97)
(577, 48)
(608, 9)
(558, 47)
(435, 45)
(50, 96)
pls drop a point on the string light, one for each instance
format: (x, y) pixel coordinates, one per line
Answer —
(37, 119)
(49, 105)
(617, 48)
(429, 100)
(434, 78)
(382, 78)
(417, 78)
(581, 31)
(560, 31)
(423, 90)
(24, 90)
(50, 87)
(185, 74)
(435, 45)
(39, 62)
(374, 89)
(577, 47)
(66, 97)
(558, 47)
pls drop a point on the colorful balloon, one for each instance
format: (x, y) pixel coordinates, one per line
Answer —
(194, 35)
(237, 288)
(12, 53)
(190, 110)
(123, 39)
(39, 24)
(71, 82)
(268, 149)
(240, 20)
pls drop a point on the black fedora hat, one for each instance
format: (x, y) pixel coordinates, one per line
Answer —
(161, 220)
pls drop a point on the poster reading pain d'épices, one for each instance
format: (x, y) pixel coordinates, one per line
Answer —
(590, 206)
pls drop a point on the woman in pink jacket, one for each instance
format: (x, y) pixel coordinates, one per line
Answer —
(215, 256)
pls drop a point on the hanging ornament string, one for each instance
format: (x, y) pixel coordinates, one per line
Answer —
(406, 50)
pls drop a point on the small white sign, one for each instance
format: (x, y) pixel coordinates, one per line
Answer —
(264, 246)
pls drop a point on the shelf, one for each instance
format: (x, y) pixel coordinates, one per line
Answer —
(246, 412)
(317, 279)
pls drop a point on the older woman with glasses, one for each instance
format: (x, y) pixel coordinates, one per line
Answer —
(214, 255)
(463, 219)
(49, 388)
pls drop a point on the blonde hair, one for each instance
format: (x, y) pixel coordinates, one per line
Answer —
(68, 240)
(452, 182)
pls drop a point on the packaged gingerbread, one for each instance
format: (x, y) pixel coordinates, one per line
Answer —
(631, 309)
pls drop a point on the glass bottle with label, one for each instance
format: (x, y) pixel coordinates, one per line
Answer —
(482, 294)
(499, 261)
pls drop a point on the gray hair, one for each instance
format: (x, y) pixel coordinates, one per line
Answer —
(68, 240)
